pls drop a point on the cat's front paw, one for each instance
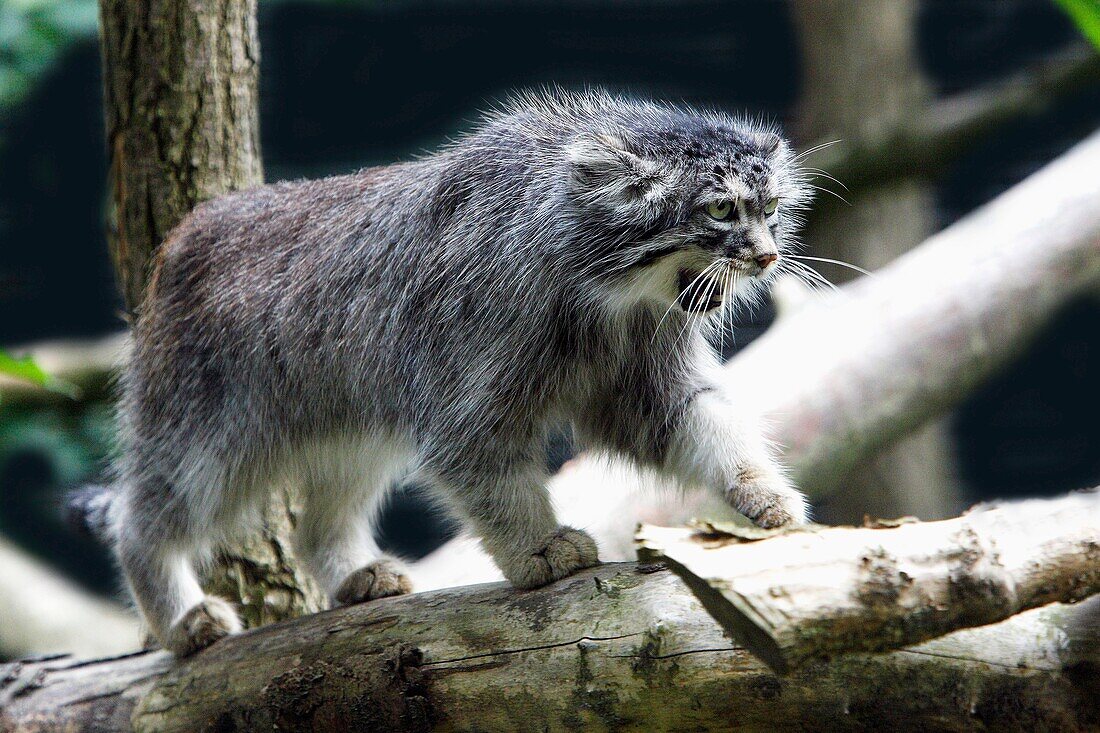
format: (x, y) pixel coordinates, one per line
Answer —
(381, 579)
(562, 553)
(767, 497)
(782, 510)
(202, 625)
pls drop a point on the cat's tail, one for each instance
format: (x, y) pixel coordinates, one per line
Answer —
(89, 510)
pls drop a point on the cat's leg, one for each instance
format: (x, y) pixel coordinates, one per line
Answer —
(335, 534)
(156, 551)
(512, 513)
(710, 445)
(338, 546)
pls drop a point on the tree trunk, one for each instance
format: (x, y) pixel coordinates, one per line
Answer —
(180, 87)
(618, 647)
(862, 79)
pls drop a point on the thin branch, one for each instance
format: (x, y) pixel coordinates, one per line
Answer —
(43, 613)
(933, 137)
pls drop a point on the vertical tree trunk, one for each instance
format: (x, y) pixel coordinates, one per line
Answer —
(180, 94)
(861, 76)
(180, 88)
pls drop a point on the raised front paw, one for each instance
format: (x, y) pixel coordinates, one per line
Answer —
(202, 625)
(767, 497)
(562, 553)
(380, 579)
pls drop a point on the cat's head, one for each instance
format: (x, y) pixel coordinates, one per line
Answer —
(684, 208)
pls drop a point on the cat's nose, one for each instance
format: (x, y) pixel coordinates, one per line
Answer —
(766, 259)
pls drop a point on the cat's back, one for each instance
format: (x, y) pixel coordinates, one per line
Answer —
(250, 238)
(259, 273)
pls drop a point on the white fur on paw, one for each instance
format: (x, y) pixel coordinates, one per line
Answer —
(560, 554)
(202, 625)
(380, 579)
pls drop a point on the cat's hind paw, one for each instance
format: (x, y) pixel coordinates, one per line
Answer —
(202, 625)
(381, 579)
(560, 554)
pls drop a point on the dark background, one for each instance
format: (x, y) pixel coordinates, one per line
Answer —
(347, 85)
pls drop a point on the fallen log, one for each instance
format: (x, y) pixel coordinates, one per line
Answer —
(618, 647)
(797, 595)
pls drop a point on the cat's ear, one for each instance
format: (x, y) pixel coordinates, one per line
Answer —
(768, 142)
(605, 171)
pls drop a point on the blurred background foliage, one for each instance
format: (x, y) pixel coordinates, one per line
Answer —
(1086, 15)
(347, 84)
(33, 33)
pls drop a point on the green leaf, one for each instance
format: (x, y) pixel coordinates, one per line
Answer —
(27, 369)
(1086, 15)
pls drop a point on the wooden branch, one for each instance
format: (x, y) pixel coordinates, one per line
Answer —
(43, 613)
(927, 141)
(621, 647)
(799, 595)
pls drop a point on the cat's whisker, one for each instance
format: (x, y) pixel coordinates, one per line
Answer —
(727, 304)
(685, 292)
(694, 315)
(813, 276)
(828, 191)
(810, 151)
(685, 300)
(814, 149)
(823, 174)
(849, 265)
(809, 275)
(722, 309)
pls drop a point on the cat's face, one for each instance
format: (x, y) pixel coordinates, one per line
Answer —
(704, 211)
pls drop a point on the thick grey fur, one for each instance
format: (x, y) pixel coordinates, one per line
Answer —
(439, 317)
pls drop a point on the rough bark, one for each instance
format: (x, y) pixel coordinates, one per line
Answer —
(619, 647)
(817, 592)
(180, 86)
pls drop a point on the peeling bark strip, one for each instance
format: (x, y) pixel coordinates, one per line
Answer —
(618, 647)
(809, 594)
(180, 87)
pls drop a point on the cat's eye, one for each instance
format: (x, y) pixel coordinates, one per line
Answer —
(720, 210)
(771, 206)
